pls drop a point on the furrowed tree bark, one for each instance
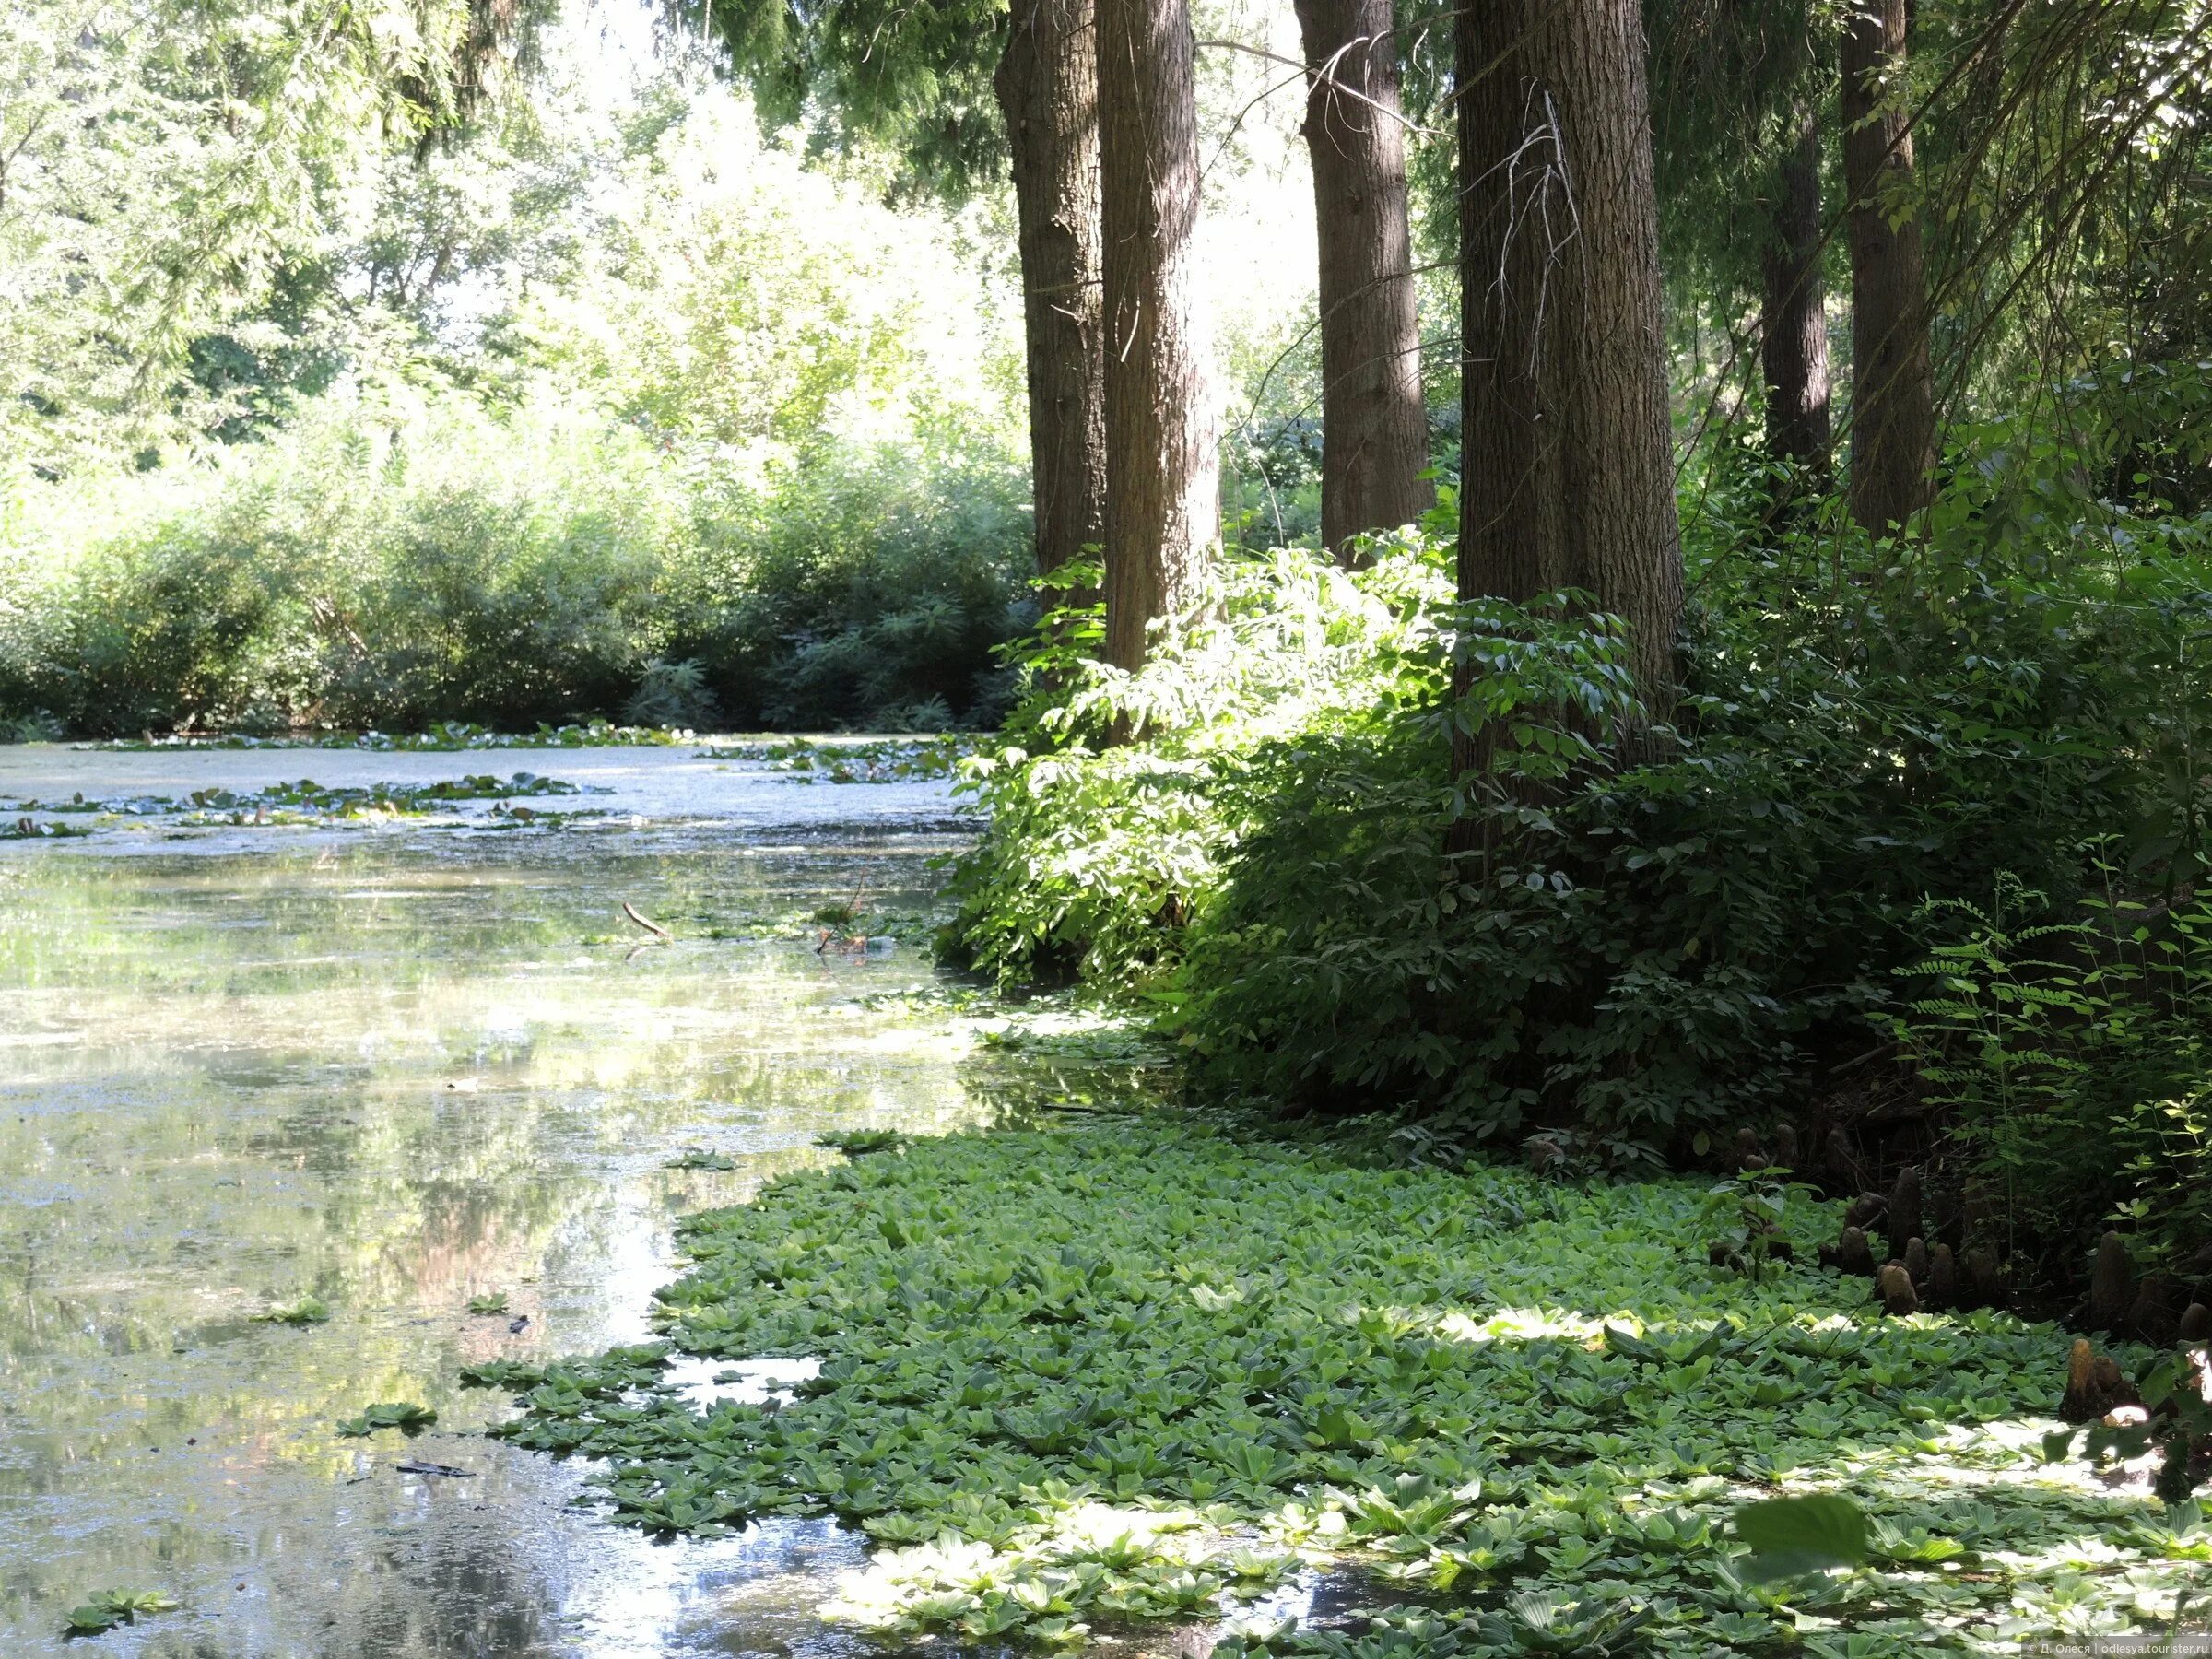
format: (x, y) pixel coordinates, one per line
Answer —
(1794, 316)
(1047, 84)
(1163, 467)
(1374, 434)
(1893, 394)
(1568, 475)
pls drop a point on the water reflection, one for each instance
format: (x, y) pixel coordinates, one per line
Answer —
(393, 1072)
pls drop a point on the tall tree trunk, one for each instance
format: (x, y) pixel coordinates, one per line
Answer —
(1892, 392)
(1794, 318)
(1374, 433)
(1047, 83)
(1568, 473)
(1163, 460)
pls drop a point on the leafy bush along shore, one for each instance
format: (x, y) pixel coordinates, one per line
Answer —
(399, 560)
(1635, 930)
(442, 736)
(1080, 1377)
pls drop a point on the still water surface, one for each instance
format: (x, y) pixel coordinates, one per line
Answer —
(392, 1066)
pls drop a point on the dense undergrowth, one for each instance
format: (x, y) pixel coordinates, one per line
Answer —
(1635, 930)
(1141, 1369)
(394, 560)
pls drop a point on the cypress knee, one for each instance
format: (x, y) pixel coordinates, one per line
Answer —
(1942, 1290)
(2094, 1385)
(1984, 1278)
(1898, 1295)
(2154, 1316)
(1842, 1162)
(1785, 1147)
(1904, 1209)
(2112, 1384)
(1981, 1212)
(2080, 1404)
(1853, 1255)
(2111, 1285)
(1865, 1209)
(1944, 1213)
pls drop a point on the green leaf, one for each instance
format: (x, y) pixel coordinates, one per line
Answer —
(859, 1143)
(113, 1608)
(1630, 1345)
(306, 1311)
(403, 1414)
(699, 1158)
(2119, 1444)
(1791, 1536)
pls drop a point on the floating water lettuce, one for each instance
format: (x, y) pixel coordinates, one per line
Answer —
(859, 1143)
(1791, 1536)
(867, 761)
(494, 1302)
(1073, 1379)
(307, 1311)
(402, 1415)
(307, 802)
(700, 1158)
(29, 828)
(113, 1608)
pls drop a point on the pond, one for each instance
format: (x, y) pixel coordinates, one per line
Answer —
(253, 1052)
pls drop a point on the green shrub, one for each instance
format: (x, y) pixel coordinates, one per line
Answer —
(1097, 852)
(1657, 933)
(673, 694)
(861, 579)
(1641, 932)
(395, 559)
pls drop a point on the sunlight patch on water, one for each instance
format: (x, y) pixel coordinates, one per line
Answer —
(706, 1382)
